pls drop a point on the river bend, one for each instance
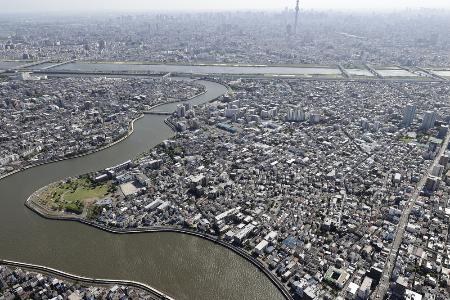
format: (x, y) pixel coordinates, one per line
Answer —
(183, 266)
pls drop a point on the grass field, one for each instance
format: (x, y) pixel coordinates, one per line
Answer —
(85, 191)
(73, 195)
(406, 139)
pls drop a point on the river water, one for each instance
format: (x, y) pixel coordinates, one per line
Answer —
(195, 69)
(183, 266)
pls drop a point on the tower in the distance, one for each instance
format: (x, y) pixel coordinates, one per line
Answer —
(297, 8)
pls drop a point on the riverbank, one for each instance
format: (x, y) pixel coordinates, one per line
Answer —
(171, 262)
(43, 212)
(88, 281)
(207, 64)
(129, 132)
(215, 239)
(255, 76)
(213, 64)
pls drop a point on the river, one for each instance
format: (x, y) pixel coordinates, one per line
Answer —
(183, 266)
(194, 69)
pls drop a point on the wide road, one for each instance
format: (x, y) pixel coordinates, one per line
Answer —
(382, 288)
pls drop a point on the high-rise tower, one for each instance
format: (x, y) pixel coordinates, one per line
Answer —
(429, 119)
(297, 9)
(408, 114)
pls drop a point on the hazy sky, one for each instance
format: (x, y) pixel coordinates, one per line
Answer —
(159, 5)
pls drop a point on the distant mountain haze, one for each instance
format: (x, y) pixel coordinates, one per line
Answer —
(29, 6)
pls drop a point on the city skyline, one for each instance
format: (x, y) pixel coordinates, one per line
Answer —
(275, 150)
(28, 6)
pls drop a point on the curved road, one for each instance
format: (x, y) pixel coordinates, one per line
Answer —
(183, 266)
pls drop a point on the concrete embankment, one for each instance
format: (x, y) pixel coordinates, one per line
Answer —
(44, 213)
(130, 132)
(213, 239)
(85, 280)
(36, 208)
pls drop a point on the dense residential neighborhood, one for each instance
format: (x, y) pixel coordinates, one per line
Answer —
(326, 37)
(57, 118)
(18, 283)
(314, 151)
(309, 177)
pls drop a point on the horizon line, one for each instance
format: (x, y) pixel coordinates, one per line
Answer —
(249, 10)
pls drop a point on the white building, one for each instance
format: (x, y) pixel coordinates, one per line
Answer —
(244, 232)
(364, 289)
(296, 115)
(261, 247)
